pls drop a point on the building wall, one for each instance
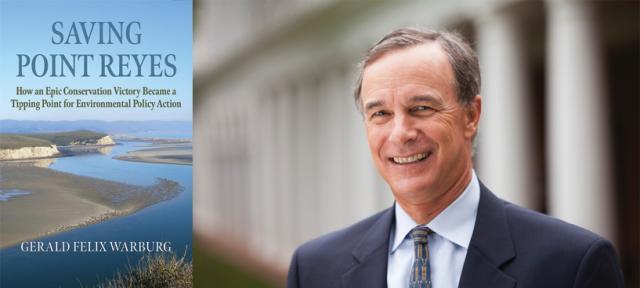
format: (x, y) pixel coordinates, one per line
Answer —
(280, 151)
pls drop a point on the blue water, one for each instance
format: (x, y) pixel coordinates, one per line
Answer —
(166, 221)
(6, 195)
(169, 134)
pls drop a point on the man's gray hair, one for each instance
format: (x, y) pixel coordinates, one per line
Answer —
(462, 58)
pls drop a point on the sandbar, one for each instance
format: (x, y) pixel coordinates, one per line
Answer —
(58, 201)
(181, 154)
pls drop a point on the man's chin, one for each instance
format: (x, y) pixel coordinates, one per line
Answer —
(410, 189)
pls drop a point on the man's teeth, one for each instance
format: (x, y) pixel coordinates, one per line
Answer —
(410, 159)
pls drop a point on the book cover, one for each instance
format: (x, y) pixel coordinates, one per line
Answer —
(95, 143)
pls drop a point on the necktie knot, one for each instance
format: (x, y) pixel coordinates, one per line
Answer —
(420, 234)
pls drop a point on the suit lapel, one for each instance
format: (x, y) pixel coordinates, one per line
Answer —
(490, 246)
(371, 255)
(489, 249)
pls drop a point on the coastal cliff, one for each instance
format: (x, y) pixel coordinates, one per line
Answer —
(106, 140)
(28, 152)
(42, 145)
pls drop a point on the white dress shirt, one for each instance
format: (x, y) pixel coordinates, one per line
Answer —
(448, 244)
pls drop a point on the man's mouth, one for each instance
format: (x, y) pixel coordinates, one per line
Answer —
(410, 159)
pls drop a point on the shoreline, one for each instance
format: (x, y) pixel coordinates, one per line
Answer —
(59, 201)
(175, 153)
(64, 151)
(149, 160)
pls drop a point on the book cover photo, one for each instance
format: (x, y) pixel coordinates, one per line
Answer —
(95, 143)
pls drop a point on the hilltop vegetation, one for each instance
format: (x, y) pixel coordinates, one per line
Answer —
(66, 138)
(154, 271)
(115, 127)
(16, 141)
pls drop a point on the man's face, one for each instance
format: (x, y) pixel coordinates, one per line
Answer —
(418, 132)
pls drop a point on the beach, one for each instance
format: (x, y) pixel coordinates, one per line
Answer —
(173, 153)
(43, 201)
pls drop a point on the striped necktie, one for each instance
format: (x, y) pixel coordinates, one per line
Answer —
(421, 270)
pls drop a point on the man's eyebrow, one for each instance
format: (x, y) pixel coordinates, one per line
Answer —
(373, 104)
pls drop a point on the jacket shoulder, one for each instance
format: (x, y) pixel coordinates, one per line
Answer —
(337, 243)
(532, 227)
(565, 252)
(322, 261)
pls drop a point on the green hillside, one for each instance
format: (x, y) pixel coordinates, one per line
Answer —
(64, 138)
(15, 141)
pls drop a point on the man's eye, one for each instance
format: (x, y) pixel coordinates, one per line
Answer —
(378, 113)
(422, 108)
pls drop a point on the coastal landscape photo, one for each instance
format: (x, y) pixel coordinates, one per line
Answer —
(113, 187)
(96, 109)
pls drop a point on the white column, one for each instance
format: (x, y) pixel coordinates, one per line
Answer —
(204, 197)
(329, 156)
(505, 147)
(284, 166)
(269, 176)
(221, 162)
(235, 169)
(255, 152)
(337, 158)
(242, 154)
(216, 163)
(306, 184)
(580, 189)
(362, 173)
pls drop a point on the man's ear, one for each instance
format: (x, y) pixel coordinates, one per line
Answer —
(472, 116)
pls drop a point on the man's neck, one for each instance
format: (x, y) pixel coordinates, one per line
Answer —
(423, 212)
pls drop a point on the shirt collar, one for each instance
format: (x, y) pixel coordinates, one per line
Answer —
(455, 223)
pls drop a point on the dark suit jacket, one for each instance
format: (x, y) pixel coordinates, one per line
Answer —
(510, 247)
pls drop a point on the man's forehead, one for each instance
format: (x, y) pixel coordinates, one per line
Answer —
(426, 53)
(414, 69)
(409, 64)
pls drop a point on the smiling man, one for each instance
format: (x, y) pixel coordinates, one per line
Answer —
(419, 94)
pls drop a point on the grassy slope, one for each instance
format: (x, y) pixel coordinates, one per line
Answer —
(64, 138)
(15, 141)
(155, 271)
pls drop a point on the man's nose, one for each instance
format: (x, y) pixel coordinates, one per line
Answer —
(403, 130)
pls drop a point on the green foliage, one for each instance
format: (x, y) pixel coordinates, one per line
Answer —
(16, 141)
(66, 138)
(155, 271)
(214, 271)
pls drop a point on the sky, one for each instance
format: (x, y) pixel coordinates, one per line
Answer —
(26, 28)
